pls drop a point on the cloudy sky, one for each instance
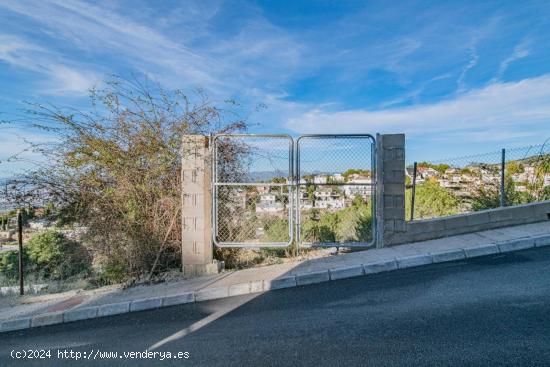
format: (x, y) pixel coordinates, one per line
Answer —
(458, 77)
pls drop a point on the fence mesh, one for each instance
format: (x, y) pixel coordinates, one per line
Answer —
(253, 214)
(253, 190)
(253, 159)
(256, 194)
(335, 190)
(471, 183)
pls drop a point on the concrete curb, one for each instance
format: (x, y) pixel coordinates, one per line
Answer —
(414, 260)
(313, 277)
(346, 272)
(482, 250)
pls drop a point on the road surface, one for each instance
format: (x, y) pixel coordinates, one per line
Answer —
(491, 311)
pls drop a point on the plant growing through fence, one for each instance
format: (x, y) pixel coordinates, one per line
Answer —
(115, 169)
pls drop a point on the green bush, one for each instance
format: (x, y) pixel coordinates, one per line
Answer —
(56, 257)
(488, 197)
(9, 264)
(432, 201)
(351, 224)
(276, 230)
(112, 272)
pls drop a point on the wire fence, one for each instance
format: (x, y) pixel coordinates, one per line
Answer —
(477, 182)
(261, 193)
(335, 190)
(252, 190)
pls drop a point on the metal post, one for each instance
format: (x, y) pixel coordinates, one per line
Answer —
(379, 194)
(20, 240)
(413, 192)
(502, 171)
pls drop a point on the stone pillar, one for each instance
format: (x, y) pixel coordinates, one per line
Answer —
(390, 189)
(197, 250)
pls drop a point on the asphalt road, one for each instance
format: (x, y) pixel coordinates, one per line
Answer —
(481, 312)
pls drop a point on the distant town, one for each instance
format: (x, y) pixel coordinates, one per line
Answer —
(335, 191)
(321, 191)
(463, 182)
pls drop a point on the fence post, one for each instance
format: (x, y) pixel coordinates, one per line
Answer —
(20, 241)
(413, 190)
(196, 209)
(502, 171)
(390, 188)
(379, 194)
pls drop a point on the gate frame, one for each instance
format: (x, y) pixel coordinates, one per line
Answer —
(293, 185)
(373, 186)
(216, 184)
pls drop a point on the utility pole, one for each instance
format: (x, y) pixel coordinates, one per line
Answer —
(20, 240)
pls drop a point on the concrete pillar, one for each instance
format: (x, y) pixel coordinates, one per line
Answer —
(196, 226)
(390, 190)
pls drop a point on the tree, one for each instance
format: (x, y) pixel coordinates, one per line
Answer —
(354, 222)
(514, 167)
(355, 171)
(431, 201)
(351, 224)
(488, 196)
(441, 168)
(56, 257)
(116, 167)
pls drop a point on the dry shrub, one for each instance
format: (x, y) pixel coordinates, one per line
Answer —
(115, 169)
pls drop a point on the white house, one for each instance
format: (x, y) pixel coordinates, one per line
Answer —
(330, 203)
(427, 172)
(320, 179)
(305, 203)
(327, 198)
(268, 204)
(338, 177)
(364, 190)
(262, 189)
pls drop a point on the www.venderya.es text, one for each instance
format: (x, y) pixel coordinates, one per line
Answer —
(95, 354)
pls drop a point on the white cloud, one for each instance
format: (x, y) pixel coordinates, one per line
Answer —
(522, 106)
(95, 29)
(474, 58)
(520, 51)
(60, 77)
(218, 63)
(69, 80)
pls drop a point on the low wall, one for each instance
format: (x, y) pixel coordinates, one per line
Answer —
(421, 230)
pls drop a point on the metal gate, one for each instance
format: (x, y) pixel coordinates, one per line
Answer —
(271, 191)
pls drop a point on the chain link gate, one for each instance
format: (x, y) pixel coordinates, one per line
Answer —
(269, 191)
(252, 185)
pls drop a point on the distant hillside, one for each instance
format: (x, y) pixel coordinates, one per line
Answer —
(260, 176)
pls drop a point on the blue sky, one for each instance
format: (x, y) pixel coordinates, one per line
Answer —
(457, 77)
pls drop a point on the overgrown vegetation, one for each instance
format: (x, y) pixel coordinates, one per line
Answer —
(432, 201)
(351, 224)
(488, 197)
(53, 256)
(47, 256)
(115, 168)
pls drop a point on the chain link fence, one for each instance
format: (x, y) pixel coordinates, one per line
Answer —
(335, 190)
(253, 190)
(477, 182)
(260, 195)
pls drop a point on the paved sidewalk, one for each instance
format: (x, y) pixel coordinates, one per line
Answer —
(73, 306)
